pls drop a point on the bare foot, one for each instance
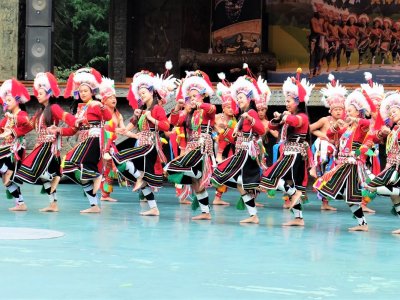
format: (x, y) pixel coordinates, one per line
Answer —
(258, 204)
(253, 219)
(295, 222)
(53, 207)
(359, 228)
(367, 209)
(139, 184)
(286, 204)
(109, 199)
(151, 212)
(396, 231)
(19, 207)
(218, 201)
(185, 201)
(202, 216)
(91, 210)
(313, 172)
(326, 206)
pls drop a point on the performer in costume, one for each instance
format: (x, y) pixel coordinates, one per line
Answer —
(387, 183)
(111, 127)
(352, 35)
(375, 34)
(386, 39)
(13, 128)
(325, 149)
(194, 166)
(289, 173)
(363, 38)
(83, 163)
(42, 165)
(346, 178)
(242, 170)
(374, 94)
(225, 123)
(142, 165)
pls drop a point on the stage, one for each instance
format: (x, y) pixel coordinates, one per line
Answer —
(119, 254)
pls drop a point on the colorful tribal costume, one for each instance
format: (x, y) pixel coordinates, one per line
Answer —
(13, 128)
(346, 178)
(290, 173)
(387, 183)
(242, 170)
(325, 150)
(142, 165)
(109, 99)
(225, 123)
(83, 163)
(42, 165)
(194, 165)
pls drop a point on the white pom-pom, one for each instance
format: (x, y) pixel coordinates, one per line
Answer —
(221, 75)
(368, 76)
(245, 66)
(331, 77)
(168, 65)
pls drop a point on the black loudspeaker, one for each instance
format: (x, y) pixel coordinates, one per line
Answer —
(38, 12)
(38, 52)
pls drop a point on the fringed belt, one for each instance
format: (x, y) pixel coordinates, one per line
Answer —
(150, 137)
(88, 133)
(347, 159)
(295, 147)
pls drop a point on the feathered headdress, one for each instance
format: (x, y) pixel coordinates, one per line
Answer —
(107, 88)
(334, 94)
(357, 99)
(85, 76)
(300, 90)
(196, 80)
(48, 82)
(246, 85)
(392, 100)
(265, 95)
(225, 94)
(14, 88)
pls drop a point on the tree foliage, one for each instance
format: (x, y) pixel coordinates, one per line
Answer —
(80, 35)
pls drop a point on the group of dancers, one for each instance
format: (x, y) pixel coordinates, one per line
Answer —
(336, 32)
(209, 150)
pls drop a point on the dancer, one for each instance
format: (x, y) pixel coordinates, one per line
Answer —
(289, 173)
(13, 128)
(142, 165)
(242, 170)
(225, 124)
(111, 128)
(346, 178)
(374, 93)
(42, 165)
(387, 182)
(194, 166)
(82, 164)
(333, 97)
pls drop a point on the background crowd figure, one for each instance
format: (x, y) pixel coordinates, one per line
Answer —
(337, 33)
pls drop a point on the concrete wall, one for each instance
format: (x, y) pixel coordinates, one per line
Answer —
(9, 10)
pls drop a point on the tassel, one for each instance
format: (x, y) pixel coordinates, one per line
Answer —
(240, 204)
(195, 203)
(8, 194)
(141, 196)
(43, 191)
(175, 178)
(394, 212)
(121, 167)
